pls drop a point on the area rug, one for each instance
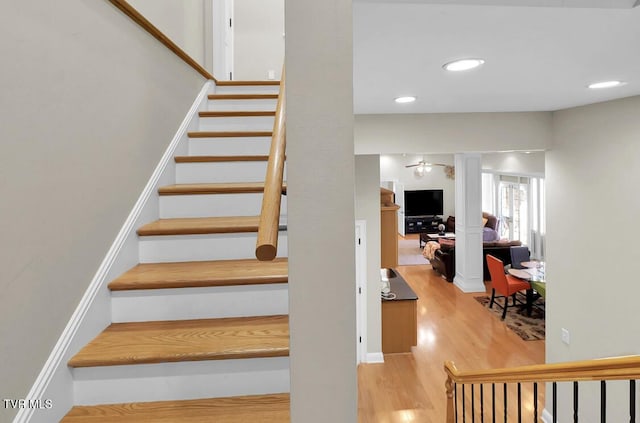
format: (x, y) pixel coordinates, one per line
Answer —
(410, 253)
(529, 328)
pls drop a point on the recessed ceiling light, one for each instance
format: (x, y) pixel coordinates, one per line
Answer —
(408, 99)
(605, 84)
(462, 65)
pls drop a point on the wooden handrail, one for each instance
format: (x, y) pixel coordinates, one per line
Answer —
(616, 368)
(138, 18)
(267, 243)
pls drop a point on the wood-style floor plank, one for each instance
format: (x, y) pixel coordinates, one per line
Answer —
(272, 408)
(186, 340)
(202, 273)
(200, 225)
(452, 325)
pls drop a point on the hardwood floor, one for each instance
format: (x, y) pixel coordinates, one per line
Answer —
(453, 326)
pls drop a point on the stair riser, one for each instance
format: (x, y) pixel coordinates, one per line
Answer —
(228, 105)
(199, 303)
(247, 89)
(163, 249)
(213, 205)
(243, 123)
(177, 381)
(229, 146)
(213, 172)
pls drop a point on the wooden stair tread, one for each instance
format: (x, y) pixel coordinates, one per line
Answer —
(201, 274)
(186, 340)
(229, 134)
(241, 83)
(271, 408)
(235, 113)
(215, 188)
(200, 225)
(243, 96)
(216, 159)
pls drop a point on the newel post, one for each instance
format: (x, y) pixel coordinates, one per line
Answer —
(450, 405)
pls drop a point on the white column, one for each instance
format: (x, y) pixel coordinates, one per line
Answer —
(321, 211)
(469, 258)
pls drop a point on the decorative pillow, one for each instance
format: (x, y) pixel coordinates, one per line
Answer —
(451, 224)
(489, 235)
(484, 221)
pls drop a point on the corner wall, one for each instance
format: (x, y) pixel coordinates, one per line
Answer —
(593, 205)
(89, 103)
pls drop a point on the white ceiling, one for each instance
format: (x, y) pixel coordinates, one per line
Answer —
(540, 55)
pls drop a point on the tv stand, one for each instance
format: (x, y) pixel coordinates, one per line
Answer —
(422, 224)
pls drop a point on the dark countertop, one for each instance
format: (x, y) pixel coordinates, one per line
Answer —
(401, 288)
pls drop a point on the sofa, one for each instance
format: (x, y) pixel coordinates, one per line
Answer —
(444, 260)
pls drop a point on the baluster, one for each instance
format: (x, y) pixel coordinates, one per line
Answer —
(632, 401)
(519, 403)
(473, 406)
(555, 402)
(464, 413)
(504, 390)
(493, 402)
(535, 402)
(603, 401)
(481, 403)
(455, 388)
(575, 402)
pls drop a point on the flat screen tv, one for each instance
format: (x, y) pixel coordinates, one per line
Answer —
(424, 202)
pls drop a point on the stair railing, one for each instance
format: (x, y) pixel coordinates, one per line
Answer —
(468, 399)
(267, 243)
(138, 18)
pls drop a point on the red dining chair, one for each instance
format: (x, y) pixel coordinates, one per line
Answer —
(504, 284)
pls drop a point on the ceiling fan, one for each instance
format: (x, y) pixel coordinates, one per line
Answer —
(423, 166)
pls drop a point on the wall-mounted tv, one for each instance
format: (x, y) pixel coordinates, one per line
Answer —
(424, 202)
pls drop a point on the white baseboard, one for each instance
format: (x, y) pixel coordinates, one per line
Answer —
(376, 357)
(93, 312)
(546, 417)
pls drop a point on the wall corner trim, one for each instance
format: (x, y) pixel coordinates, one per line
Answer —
(376, 357)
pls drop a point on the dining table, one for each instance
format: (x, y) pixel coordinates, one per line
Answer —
(534, 272)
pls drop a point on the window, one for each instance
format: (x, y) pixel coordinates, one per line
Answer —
(518, 202)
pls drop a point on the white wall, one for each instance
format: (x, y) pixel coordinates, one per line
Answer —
(321, 215)
(516, 162)
(452, 132)
(258, 44)
(368, 208)
(392, 168)
(182, 21)
(593, 205)
(84, 120)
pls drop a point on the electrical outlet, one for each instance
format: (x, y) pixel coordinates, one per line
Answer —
(271, 74)
(566, 338)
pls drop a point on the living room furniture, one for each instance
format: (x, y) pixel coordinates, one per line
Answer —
(426, 237)
(421, 224)
(399, 318)
(388, 229)
(518, 255)
(505, 285)
(444, 260)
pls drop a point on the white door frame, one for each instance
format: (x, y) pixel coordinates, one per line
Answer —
(222, 39)
(361, 291)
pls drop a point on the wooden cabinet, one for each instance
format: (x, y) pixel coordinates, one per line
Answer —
(388, 229)
(399, 318)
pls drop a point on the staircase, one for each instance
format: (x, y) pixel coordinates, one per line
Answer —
(199, 327)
